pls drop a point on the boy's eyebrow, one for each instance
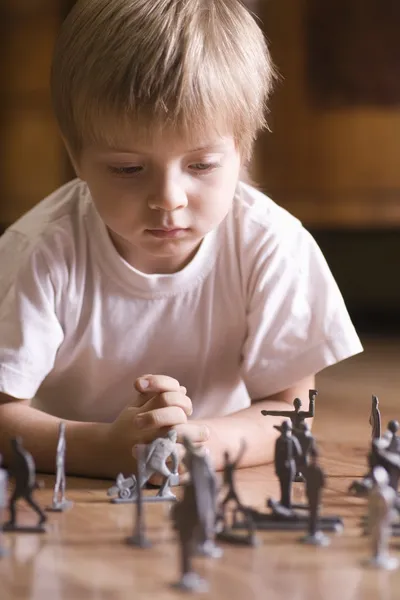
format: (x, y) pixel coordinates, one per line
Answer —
(212, 146)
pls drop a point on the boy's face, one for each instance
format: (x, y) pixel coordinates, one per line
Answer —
(159, 197)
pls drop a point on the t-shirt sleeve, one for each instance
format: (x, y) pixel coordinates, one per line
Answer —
(297, 321)
(30, 333)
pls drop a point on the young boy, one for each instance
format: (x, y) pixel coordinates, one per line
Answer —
(158, 290)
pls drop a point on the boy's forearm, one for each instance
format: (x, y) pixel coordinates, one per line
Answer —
(86, 453)
(249, 424)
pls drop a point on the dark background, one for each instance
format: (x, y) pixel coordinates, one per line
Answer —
(331, 157)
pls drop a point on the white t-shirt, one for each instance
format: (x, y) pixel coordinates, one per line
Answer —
(256, 310)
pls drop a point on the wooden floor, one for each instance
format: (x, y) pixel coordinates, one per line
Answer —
(83, 555)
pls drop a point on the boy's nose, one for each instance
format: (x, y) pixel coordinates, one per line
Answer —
(168, 197)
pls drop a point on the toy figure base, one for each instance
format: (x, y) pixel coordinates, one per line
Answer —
(318, 539)
(360, 488)
(209, 549)
(24, 528)
(230, 537)
(144, 499)
(387, 563)
(192, 582)
(293, 522)
(59, 506)
(138, 541)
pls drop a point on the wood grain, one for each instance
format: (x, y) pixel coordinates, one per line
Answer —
(83, 555)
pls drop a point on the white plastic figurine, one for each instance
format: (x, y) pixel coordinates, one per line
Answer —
(381, 501)
(60, 504)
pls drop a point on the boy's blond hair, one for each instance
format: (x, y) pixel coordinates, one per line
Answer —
(189, 65)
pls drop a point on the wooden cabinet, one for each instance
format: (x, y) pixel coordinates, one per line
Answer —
(331, 167)
(32, 158)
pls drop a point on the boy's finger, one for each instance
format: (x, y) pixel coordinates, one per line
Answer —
(197, 433)
(141, 399)
(168, 399)
(160, 417)
(156, 383)
(149, 385)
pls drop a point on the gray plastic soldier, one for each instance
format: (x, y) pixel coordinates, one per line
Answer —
(393, 440)
(22, 469)
(60, 504)
(156, 456)
(138, 537)
(287, 453)
(381, 501)
(202, 474)
(315, 482)
(155, 462)
(194, 516)
(296, 415)
(229, 471)
(375, 418)
(307, 443)
(3, 505)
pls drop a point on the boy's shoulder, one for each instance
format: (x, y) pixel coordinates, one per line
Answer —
(48, 231)
(53, 219)
(64, 204)
(258, 217)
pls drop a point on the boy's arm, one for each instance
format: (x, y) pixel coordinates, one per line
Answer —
(86, 452)
(257, 431)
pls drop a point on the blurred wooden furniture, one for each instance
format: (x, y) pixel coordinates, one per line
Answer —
(32, 158)
(83, 557)
(331, 167)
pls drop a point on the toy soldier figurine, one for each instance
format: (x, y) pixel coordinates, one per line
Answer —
(296, 416)
(138, 538)
(315, 481)
(157, 453)
(202, 474)
(3, 504)
(380, 509)
(229, 470)
(23, 471)
(194, 513)
(60, 504)
(391, 437)
(287, 453)
(155, 462)
(307, 442)
(375, 418)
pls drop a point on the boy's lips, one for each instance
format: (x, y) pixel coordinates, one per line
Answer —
(167, 232)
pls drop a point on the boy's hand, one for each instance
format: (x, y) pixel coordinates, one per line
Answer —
(161, 405)
(164, 405)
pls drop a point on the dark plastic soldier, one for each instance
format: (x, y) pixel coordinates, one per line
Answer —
(229, 470)
(392, 437)
(22, 469)
(375, 419)
(307, 442)
(204, 479)
(3, 504)
(315, 481)
(138, 538)
(296, 416)
(195, 513)
(287, 453)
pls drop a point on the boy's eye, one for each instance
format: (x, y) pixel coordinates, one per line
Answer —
(128, 170)
(204, 167)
